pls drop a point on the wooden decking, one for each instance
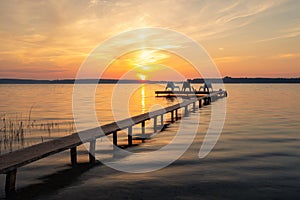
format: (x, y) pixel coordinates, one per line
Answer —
(187, 93)
(9, 163)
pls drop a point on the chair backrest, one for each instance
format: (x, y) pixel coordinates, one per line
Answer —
(209, 84)
(170, 84)
(186, 84)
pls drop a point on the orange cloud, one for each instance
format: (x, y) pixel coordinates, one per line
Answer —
(153, 64)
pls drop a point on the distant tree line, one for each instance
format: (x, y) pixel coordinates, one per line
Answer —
(226, 79)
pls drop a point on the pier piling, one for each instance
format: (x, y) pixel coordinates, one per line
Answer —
(73, 154)
(10, 182)
(130, 136)
(155, 124)
(92, 151)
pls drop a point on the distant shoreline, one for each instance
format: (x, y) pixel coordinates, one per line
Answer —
(114, 81)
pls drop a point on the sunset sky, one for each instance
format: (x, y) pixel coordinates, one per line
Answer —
(50, 39)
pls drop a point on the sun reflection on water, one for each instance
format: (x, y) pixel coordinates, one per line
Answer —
(143, 98)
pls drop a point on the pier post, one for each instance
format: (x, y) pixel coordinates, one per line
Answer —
(115, 138)
(194, 106)
(186, 111)
(143, 128)
(115, 143)
(172, 116)
(10, 183)
(213, 98)
(73, 154)
(155, 124)
(176, 114)
(200, 103)
(205, 101)
(162, 121)
(130, 136)
(92, 151)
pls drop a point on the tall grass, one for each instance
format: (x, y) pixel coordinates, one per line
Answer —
(18, 131)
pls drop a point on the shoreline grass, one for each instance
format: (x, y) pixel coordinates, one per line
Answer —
(18, 131)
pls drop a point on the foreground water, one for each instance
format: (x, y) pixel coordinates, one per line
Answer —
(257, 155)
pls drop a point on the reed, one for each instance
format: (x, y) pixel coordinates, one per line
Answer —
(17, 131)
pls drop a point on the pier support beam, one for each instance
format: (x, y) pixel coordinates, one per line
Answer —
(129, 136)
(143, 128)
(115, 138)
(115, 143)
(213, 98)
(176, 114)
(10, 183)
(73, 154)
(194, 106)
(172, 116)
(155, 124)
(162, 121)
(92, 151)
(200, 103)
(206, 101)
(186, 111)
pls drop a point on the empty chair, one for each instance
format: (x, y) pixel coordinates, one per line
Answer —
(172, 86)
(206, 86)
(187, 85)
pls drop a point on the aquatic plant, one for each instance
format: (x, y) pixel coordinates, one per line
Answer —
(17, 131)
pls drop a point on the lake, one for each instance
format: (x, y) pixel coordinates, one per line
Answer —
(257, 155)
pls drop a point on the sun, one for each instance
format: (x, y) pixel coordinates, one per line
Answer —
(142, 77)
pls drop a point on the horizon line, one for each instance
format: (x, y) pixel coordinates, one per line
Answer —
(115, 79)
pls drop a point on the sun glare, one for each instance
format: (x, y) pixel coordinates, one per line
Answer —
(142, 77)
(147, 56)
(139, 65)
(146, 68)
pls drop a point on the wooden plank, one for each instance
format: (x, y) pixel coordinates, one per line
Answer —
(179, 92)
(11, 161)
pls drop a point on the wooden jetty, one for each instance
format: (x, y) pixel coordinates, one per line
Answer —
(164, 93)
(10, 162)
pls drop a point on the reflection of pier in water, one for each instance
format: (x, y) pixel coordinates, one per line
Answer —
(9, 163)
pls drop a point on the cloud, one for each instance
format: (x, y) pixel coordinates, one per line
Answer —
(53, 32)
(232, 59)
(286, 33)
(286, 56)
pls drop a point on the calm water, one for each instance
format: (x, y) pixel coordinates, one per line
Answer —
(45, 111)
(256, 157)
